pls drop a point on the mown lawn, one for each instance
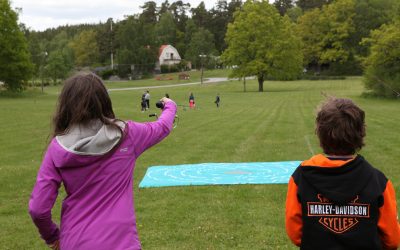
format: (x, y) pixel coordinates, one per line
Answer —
(276, 125)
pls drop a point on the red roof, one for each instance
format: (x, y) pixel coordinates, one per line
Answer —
(161, 49)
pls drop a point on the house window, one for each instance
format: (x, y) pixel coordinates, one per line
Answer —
(172, 56)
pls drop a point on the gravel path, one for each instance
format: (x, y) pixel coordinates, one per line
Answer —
(208, 80)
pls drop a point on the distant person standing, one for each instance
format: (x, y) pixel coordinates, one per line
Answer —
(143, 103)
(217, 100)
(191, 101)
(147, 98)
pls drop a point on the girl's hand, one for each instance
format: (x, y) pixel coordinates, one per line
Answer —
(165, 100)
(55, 245)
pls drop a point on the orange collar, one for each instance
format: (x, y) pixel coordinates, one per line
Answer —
(321, 160)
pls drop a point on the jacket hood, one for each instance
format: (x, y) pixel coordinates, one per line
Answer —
(85, 143)
(340, 184)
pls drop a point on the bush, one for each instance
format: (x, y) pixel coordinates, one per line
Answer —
(183, 65)
(322, 77)
(169, 68)
(164, 69)
(123, 70)
(106, 74)
(349, 68)
(147, 75)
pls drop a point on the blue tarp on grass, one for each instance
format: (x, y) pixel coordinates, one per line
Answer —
(219, 174)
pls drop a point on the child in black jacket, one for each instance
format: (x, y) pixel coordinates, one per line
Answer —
(337, 200)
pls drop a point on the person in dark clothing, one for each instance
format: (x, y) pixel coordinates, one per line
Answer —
(147, 98)
(143, 103)
(337, 200)
(217, 100)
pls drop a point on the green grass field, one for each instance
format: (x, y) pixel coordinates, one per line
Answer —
(271, 126)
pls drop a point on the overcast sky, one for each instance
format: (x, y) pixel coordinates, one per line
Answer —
(42, 14)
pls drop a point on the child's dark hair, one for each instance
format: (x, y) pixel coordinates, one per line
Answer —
(83, 98)
(340, 127)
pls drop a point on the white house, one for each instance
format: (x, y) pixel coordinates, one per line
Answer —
(167, 55)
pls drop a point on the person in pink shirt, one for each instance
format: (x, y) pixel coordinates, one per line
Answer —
(93, 155)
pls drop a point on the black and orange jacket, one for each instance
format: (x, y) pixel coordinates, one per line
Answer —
(341, 204)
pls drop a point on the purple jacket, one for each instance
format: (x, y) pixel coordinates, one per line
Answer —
(98, 211)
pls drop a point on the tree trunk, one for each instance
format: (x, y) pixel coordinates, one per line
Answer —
(244, 84)
(260, 83)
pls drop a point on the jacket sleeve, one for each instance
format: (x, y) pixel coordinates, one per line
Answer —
(145, 135)
(294, 222)
(388, 224)
(43, 197)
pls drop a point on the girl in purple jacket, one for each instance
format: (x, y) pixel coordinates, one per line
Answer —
(93, 154)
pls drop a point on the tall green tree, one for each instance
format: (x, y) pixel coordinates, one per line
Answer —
(382, 74)
(190, 29)
(166, 29)
(201, 48)
(15, 65)
(149, 12)
(85, 48)
(218, 23)
(57, 58)
(106, 41)
(233, 6)
(61, 42)
(200, 15)
(164, 7)
(370, 15)
(310, 31)
(332, 34)
(180, 11)
(326, 33)
(263, 43)
(338, 27)
(137, 46)
(38, 52)
(57, 66)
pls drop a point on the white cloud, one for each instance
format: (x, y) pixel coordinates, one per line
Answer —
(42, 14)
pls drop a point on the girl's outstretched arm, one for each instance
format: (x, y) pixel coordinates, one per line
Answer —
(145, 135)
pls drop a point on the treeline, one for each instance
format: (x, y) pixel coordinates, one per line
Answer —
(334, 37)
(316, 39)
(135, 41)
(347, 37)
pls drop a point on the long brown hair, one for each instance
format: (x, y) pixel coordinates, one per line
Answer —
(83, 98)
